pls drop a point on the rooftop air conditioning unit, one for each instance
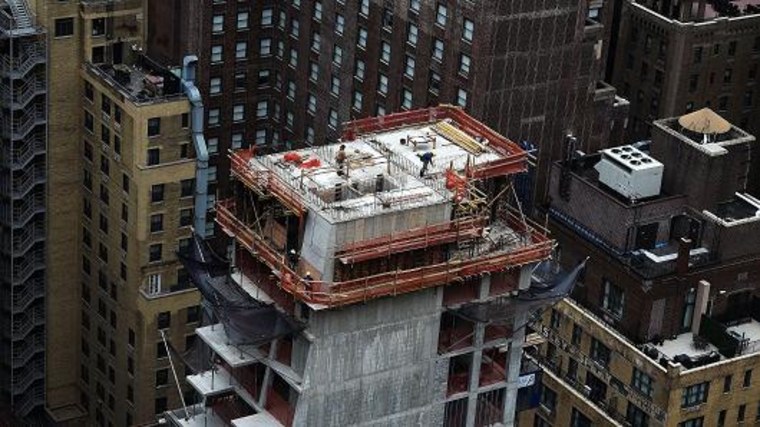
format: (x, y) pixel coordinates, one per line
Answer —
(630, 172)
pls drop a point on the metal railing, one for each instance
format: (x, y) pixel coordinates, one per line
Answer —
(27, 149)
(27, 207)
(24, 294)
(20, 96)
(33, 55)
(28, 264)
(25, 237)
(537, 248)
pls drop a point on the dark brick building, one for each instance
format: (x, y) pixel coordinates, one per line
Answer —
(283, 73)
(642, 275)
(676, 57)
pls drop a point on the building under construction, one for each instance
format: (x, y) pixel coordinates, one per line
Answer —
(363, 280)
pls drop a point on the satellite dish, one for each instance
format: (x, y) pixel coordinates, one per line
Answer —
(705, 121)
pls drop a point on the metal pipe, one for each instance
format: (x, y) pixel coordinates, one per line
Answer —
(199, 143)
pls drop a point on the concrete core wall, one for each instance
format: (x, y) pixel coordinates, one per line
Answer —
(375, 364)
(321, 238)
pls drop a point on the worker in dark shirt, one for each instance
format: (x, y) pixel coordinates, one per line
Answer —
(427, 161)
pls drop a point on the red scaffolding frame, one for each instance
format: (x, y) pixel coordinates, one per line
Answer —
(333, 294)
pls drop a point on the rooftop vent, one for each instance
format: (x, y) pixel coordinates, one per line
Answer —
(630, 172)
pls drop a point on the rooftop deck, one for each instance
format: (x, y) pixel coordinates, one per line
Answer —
(142, 82)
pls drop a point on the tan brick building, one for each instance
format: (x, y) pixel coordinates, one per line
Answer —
(664, 329)
(122, 169)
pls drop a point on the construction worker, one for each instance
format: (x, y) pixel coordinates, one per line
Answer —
(307, 279)
(427, 161)
(340, 159)
(293, 258)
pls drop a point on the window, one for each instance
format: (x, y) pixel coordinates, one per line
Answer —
(213, 116)
(412, 34)
(267, 17)
(741, 413)
(360, 70)
(217, 23)
(161, 350)
(242, 20)
(698, 54)
(262, 108)
(337, 55)
(577, 419)
(461, 97)
(636, 417)
(548, 398)
(441, 15)
(215, 85)
(688, 309)
(382, 84)
(642, 382)
(340, 24)
(88, 121)
(332, 119)
(695, 395)
(468, 30)
(613, 299)
(727, 380)
(155, 252)
(694, 422)
(154, 126)
(732, 48)
(409, 64)
(216, 53)
(241, 50)
(722, 418)
(64, 27)
(385, 52)
(747, 378)
(164, 319)
(265, 47)
(153, 156)
(358, 100)
(187, 186)
(236, 140)
(437, 52)
(193, 314)
(362, 38)
(464, 64)
(238, 113)
(157, 193)
(556, 319)
(577, 334)
(406, 98)
(600, 353)
(727, 75)
(434, 82)
(156, 223)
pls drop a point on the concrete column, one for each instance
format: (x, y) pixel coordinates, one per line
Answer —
(700, 306)
(514, 357)
(265, 385)
(477, 357)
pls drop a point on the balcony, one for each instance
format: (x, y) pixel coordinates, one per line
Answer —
(530, 248)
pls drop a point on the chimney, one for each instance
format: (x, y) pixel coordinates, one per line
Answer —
(700, 306)
(682, 261)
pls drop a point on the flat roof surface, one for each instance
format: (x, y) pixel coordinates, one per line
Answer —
(382, 172)
(749, 330)
(256, 420)
(684, 344)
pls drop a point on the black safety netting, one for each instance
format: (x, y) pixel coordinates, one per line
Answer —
(246, 320)
(548, 285)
